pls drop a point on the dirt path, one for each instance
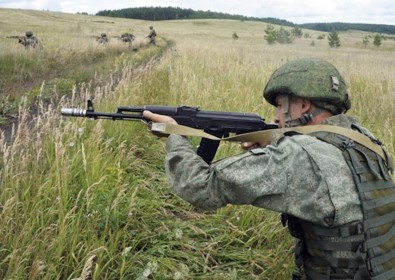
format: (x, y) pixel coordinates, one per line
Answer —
(12, 121)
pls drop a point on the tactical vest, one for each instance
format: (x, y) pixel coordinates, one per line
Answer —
(360, 250)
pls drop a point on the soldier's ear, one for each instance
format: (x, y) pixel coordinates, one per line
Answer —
(306, 105)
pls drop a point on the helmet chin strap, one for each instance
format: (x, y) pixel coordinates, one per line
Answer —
(303, 120)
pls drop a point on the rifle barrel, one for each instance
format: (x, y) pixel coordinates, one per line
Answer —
(77, 112)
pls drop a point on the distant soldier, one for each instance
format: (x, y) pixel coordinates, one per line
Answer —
(152, 36)
(29, 41)
(103, 39)
(127, 38)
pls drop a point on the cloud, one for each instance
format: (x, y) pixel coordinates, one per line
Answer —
(304, 11)
(34, 5)
(301, 11)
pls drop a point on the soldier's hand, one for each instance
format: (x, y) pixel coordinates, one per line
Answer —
(156, 118)
(252, 145)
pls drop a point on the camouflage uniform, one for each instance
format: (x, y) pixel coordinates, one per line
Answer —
(152, 36)
(271, 178)
(127, 38)
(29, 41)
(103, 39)
(336, 196)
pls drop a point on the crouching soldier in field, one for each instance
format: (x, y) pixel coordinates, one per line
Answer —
(102, 39)
(29, 41)
(333, 186)
(127, 38)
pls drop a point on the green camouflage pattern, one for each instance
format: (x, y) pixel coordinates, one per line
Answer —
(313, 79)
(300, 176)
(102, 39)
(152, 36)
(127, 37)
(29, 42)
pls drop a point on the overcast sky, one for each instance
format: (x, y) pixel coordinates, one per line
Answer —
(296, 11)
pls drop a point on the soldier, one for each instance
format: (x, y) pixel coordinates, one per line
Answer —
(29, 41)
(152, 36)
(127, 37)
(336, 195)
(102, 39)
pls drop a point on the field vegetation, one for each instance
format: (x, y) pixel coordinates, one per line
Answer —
(89, 199)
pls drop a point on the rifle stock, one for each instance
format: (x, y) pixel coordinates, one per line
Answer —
(217, 123)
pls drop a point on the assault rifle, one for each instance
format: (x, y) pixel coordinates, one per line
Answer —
(217, 123)
(20, 38)
(127, 37)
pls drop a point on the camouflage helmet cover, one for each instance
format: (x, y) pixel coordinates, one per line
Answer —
(29, 33)
(313, 79)
(104, 35)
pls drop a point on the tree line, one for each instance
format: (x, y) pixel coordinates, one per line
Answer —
(341, 26)
(174, 13)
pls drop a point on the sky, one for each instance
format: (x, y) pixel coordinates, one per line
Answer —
(296, 11)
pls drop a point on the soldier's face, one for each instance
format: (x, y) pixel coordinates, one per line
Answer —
(296, 109)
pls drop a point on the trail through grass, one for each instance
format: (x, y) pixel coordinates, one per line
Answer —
(89, 199)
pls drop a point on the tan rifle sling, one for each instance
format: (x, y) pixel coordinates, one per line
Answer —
(266, 135)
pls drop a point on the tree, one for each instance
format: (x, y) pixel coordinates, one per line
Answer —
(377, 40)
(270, 34)
(284, 36)
(297, 32)
(333, 39)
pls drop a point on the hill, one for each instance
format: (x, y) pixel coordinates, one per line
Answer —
(175, 13)
(89, 199)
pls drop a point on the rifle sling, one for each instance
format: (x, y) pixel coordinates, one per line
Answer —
(266, 135)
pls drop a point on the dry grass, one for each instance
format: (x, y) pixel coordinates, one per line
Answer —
(89, 200)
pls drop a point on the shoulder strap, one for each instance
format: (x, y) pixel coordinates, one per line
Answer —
(266, 135)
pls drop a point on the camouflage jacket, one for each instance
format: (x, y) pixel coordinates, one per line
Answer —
(298, 175)
(28, 42)
(152, 34)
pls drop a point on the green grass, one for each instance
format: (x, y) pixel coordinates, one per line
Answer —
(68, 57)
(84, 197)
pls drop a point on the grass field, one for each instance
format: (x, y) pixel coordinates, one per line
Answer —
(89, 199)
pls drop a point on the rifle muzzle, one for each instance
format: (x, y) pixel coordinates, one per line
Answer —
(74, 112)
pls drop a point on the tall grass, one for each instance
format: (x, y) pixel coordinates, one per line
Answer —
(69, 51)
(89, 199)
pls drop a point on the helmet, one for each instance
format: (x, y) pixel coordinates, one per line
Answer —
(151, 27)
(29, 33)
(104, 35)
(313, 79)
